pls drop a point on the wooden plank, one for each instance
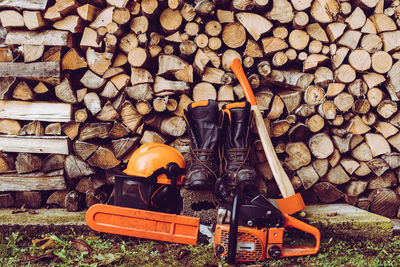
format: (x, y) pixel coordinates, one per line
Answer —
(48, 37)
(34, 144)
(24, 4)
(41, 111)
(33, 181)
(41, 71)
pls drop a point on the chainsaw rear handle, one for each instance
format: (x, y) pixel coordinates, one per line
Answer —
(291, 251)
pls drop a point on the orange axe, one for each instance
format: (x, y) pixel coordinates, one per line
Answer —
(291, 202)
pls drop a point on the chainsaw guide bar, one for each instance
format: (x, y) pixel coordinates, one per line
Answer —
(143, 224)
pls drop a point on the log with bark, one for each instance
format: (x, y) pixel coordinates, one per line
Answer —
(36, 181)
(42, 71)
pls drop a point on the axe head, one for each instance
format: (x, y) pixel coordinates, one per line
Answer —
(290, 205)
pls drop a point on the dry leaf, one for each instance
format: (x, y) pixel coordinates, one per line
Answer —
(183, 253)
(44, 243)
(20, 210)
(36, 258)
(81, 245)
(160, 248)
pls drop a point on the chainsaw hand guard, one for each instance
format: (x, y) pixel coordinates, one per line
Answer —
(290, 251)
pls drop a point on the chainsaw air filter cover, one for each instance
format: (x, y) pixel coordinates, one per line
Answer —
(251, 243)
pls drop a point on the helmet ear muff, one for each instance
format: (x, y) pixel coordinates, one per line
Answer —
(165, 197)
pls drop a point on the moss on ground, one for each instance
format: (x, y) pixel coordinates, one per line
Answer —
(345, 220)
(16, 249)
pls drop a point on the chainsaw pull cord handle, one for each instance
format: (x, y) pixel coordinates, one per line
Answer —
(233, 226)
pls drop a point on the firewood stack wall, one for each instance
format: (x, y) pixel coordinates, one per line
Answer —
(85, 83)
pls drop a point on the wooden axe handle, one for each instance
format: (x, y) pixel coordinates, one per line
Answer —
(281, 178)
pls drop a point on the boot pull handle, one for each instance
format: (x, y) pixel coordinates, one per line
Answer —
(237, 68)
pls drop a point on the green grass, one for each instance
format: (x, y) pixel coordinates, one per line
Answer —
(107, 250)
(112, 250)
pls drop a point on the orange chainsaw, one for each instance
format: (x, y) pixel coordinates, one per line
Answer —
(256, 231)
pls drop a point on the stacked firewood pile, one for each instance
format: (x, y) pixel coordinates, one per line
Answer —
(107, 76)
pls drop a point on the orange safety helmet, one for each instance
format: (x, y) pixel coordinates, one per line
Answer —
(153, 158)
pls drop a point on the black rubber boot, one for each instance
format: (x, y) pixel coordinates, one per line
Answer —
(237, 120)
(203, 119)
